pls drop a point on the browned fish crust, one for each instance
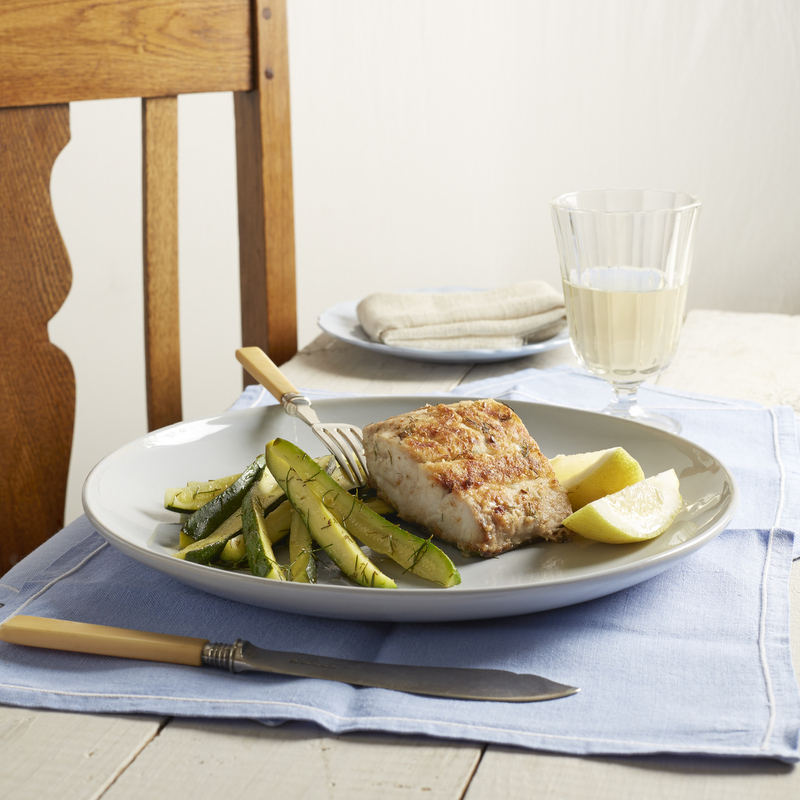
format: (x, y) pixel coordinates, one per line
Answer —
(470, 473)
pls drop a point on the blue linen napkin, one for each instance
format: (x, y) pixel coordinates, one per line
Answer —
(693, 661)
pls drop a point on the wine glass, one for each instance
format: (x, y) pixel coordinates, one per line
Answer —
(625, 256)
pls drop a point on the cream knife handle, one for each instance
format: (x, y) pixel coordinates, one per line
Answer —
(81, 637)
(263, 369)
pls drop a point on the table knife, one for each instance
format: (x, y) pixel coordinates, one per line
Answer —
(454, 682)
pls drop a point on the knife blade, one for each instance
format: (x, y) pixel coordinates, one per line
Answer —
(454, 682)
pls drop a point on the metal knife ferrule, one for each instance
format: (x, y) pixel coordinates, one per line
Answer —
(224, 656)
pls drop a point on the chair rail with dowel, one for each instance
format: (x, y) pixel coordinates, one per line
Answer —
(52, 54)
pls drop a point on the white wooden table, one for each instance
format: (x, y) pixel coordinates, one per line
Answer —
(46, 754)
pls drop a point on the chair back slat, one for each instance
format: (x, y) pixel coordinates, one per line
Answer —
(160, 223)
(57, 52)
(266, 202)
(37, 385)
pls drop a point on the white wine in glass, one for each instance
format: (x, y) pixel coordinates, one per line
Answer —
(625, 257)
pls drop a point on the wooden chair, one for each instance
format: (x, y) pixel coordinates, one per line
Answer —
(55, 53)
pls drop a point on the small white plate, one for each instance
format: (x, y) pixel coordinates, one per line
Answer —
(341, 322)
(123, 498)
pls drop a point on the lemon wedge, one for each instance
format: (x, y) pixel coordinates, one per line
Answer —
(636, 513)
(589, 476)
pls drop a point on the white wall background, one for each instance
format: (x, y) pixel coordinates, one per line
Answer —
(428, 136)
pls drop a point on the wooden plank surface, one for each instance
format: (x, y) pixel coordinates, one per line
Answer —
(244, 759)
(161, 296)
(48, 754)
(511, 775)
(57, 52)
(747, 356)
(330, 365)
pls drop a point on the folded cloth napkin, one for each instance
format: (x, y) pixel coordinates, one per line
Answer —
(498, 319)
(693, 661)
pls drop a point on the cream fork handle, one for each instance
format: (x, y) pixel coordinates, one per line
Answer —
(264, 370)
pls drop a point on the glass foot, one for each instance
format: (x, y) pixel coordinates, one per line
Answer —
(625, 406)
(636, 413)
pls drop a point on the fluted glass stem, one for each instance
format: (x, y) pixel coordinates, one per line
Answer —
(626, 406)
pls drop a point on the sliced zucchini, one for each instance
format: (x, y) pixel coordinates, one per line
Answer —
(279, 522)
(208, 549)
(327, 532)
(207, 519)
(268, 492)
(303, 566)
(234, 551)
(196, 494)
(185, 541)
(260, 555)
(415, 554)
(379, 506)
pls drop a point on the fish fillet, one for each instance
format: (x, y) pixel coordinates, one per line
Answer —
(470, 473)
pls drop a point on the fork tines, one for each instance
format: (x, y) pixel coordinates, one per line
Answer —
(347, 446)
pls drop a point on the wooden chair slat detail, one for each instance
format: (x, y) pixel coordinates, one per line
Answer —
(160, 223)
(266, 201)
(80, 50)
(37, 385)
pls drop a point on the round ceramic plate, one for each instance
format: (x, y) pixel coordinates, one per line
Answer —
(342, 323)
(123, 498)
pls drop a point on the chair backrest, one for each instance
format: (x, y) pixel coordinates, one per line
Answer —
(55, 53)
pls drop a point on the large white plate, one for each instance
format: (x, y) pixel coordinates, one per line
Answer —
(342, 323)
(123, 497)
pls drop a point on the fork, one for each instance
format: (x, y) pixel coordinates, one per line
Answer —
(344, 441)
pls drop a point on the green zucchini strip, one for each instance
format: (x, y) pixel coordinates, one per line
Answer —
(208, 549)
(303, 565)
(234, 551)
(207, 519)
(415, 554)
(196, 494)
(327, 532)
(260, 555)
